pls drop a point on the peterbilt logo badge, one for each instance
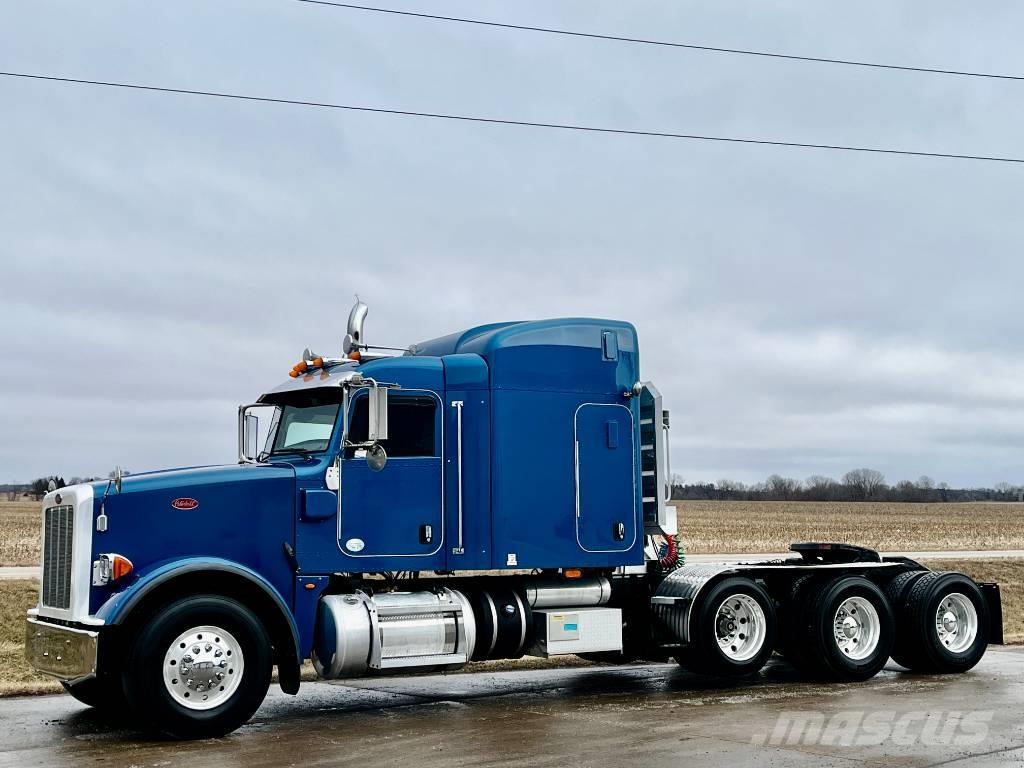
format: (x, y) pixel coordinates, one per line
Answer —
(185, 503)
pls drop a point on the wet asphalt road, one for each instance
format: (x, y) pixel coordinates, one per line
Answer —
(597, 716)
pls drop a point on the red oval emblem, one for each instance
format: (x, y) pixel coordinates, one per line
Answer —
(184, 503)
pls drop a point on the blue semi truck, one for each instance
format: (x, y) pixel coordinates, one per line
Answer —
(485, 495)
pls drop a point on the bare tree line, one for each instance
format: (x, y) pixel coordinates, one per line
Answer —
(862, 484)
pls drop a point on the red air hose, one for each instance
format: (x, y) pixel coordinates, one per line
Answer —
(671, 556)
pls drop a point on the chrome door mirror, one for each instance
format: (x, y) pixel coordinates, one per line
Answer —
(248, 430)
(377, 414)
(250, 433)
(376, 457)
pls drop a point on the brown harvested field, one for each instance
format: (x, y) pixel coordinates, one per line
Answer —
(16, 676)
(1009, 574)
(19, 533)
(712, 527)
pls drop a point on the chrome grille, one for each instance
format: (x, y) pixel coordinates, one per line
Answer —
(58, 539)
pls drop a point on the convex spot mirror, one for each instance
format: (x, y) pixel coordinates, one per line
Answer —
(376, 457)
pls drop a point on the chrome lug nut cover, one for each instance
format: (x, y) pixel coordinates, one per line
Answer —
(196, 672)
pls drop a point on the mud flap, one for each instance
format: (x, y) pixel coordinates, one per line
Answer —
(993, 599)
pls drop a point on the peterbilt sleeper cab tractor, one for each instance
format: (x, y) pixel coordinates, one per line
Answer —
(485, 495)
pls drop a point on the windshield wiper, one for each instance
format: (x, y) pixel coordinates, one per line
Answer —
(305, 452)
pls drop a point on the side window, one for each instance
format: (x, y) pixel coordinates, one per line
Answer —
(411, 425)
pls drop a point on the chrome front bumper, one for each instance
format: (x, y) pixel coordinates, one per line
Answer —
(64, 652)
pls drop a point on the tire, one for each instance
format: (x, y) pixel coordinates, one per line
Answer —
(945, 622)
(180, 675)
(733, 630)
(791, 640)
(847, 629)
(897, 592)
(102, 693)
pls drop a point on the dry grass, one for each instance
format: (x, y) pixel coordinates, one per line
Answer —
(1009, 574)
(19, 533)
(16, 676)
(771, 526)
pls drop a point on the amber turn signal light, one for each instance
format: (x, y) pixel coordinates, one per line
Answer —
(121, 566)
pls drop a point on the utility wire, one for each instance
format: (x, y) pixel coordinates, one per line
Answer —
(499, 121)
(666, 43)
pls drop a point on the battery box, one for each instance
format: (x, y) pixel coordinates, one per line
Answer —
(559, 631)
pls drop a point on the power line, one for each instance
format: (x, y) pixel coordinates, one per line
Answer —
(500, 121)
(666, 43)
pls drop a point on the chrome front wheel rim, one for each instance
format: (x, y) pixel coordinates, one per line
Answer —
(856, 628)
(740, 627)
(203, 667)
(956, 622)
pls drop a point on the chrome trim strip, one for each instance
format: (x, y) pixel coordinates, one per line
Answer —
(494, 623)
(457, 405)
(522, 622)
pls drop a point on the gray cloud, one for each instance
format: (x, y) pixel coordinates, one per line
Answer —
(165, 258)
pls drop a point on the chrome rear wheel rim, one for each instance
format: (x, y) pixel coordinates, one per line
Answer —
(203, 667)
(740, 627)
(857, 628)
(956, 622)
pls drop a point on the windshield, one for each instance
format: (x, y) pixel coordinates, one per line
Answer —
(306, 422)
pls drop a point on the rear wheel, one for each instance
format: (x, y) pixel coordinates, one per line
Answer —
(847, 628)
(897, 592)
(199, 668)
(945, 624)
(732, 630)
(792, 643)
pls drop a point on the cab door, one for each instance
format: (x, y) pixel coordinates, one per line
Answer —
(392, 519)
(605, 478)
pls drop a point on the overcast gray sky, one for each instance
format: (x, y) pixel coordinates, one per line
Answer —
(165, 258)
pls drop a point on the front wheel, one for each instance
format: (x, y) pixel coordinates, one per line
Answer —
(199, 668)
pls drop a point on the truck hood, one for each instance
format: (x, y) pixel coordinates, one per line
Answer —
(194, 478)
(240, 512)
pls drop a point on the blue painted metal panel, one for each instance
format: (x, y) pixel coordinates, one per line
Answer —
(564, 355)
(318, 504)
(307, 595)
(533, 483)
(606, 487)
(244, 515)
(475, 477)
(382, 515)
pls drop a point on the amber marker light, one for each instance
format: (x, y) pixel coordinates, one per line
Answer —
(120, 566)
